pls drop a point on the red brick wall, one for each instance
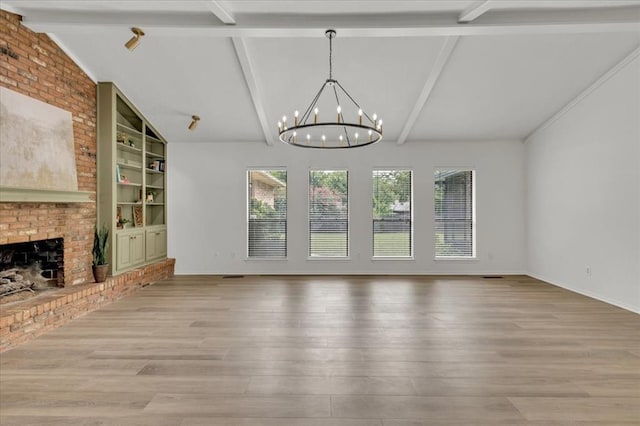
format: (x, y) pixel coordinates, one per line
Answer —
(42, 71)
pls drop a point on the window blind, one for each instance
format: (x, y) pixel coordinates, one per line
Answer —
(328, 213)
(267, 213)
(454, 213)
(392, 213)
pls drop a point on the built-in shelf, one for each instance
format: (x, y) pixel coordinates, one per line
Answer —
(130, 166)
(128, 129)
(124, 147)
(135, 171)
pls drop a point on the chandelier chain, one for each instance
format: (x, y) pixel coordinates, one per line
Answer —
(330, 57)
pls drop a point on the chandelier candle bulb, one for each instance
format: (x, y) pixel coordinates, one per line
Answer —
(279, 126)
(356, 135)
(315, 116)
(295, 116)
(339, 110)
(359, 118)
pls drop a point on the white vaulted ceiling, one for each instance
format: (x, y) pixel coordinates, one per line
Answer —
(241, 65)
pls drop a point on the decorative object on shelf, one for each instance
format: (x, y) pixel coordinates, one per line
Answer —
(194, 122)
(122, 223)
(135, 40)
(161, 167)
(137, 216)
(155, 165)
(118, 175)
(344, 132)
(150, 196)
(100, 246)
(122, 138)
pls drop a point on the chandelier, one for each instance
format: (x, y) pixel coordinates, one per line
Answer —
(352, 127)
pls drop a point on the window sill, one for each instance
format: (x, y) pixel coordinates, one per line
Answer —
(458, 259)
(260, 259)
(325, 258)
(392, 258)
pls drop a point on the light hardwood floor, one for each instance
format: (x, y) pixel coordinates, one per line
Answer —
(333, 351)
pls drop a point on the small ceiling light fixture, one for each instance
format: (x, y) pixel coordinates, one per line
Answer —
(135, 40)
(353, 127)
(194, 122)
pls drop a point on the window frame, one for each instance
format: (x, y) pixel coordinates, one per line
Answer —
(412, 218)
(348, 233)
(474, 222)
(248, 213)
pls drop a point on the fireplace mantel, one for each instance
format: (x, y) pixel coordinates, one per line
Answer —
(29, 195)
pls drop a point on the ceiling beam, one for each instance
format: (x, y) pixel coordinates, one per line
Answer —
(630, 57)
(250, 78)
(476, 9)
(388, 25)
(221, 13)
(439, 65)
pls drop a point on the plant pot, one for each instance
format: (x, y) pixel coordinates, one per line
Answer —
(100, 272)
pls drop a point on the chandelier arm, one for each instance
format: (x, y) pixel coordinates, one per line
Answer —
(335, 92)
(346, 134)
(340, 116)
(354, 102)
(307, 112)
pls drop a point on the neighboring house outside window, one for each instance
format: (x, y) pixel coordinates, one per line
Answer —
(267, 214)
(455, 226)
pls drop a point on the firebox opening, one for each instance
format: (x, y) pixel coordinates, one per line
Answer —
(31, 266)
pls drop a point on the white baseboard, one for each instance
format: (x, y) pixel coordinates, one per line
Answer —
(623, 305)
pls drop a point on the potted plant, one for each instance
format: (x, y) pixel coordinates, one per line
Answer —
(100, 246)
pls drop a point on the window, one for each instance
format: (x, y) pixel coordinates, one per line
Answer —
(328, 213)
(392, 213)
(454, 213)
(267, 213)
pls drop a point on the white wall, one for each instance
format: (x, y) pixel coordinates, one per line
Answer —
(583, 183)
(207, 211)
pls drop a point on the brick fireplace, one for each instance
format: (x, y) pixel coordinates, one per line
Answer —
(33, 65)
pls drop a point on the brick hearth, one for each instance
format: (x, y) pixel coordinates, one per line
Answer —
(22, 321)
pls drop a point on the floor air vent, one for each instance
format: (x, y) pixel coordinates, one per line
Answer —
(233, 276)
(492, 277)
